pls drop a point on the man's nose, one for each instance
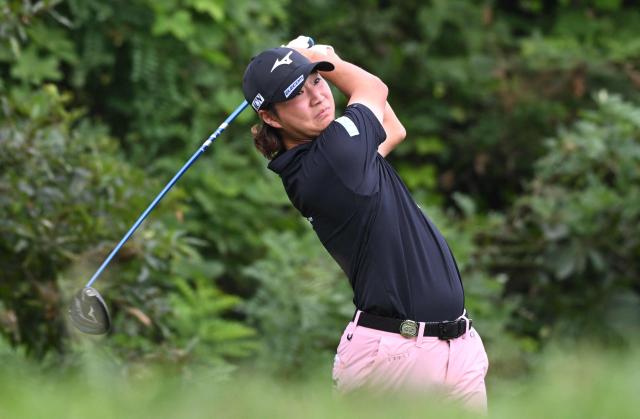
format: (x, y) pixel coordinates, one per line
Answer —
(316, 96)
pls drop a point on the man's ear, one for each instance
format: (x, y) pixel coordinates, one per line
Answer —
(269, 118)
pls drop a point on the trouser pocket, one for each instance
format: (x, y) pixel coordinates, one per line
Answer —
(355, 359)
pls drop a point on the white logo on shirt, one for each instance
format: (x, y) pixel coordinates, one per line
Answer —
(285, 60)
(348, 124)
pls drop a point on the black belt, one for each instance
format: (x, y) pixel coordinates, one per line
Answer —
(408, 328)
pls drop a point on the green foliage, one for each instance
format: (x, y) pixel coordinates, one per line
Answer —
(66, 190)
(164, 74)
(196, 317)
(301, 305)
(570, 245)
(57, 183)
(587, 384)
(166, 308)
(69, 194)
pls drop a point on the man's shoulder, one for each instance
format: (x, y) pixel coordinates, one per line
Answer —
(360, 110)
(350, 124)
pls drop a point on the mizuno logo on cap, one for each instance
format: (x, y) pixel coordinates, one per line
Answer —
(285, 60)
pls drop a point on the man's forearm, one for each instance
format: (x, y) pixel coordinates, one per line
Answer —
(357, 84)
(394, 129)
(352, 80)
(347, 77)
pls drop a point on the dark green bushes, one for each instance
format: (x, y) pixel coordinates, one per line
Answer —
(67, 196)
(570, 246)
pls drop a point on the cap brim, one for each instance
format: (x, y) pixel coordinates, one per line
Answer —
(322, 66)
(306, 70)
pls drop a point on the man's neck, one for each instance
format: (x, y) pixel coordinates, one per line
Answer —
(290, 143)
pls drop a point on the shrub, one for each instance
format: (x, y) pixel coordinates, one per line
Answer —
(66, 198)
(570, 246)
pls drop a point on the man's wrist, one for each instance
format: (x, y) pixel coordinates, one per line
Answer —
(320, 53)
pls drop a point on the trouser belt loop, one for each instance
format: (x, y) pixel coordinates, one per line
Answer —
(466, 322)
(354, 324)
(356, 318)
(420, 334)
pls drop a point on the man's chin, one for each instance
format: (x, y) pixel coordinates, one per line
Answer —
(327, 120)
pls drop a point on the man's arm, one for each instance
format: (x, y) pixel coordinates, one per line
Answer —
(357, 84)
(394, 129)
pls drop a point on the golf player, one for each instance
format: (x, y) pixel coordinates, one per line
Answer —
(410, 331)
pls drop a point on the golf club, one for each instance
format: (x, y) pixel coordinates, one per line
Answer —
(88, 310)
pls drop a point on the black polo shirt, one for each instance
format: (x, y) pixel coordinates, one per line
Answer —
(397, 262)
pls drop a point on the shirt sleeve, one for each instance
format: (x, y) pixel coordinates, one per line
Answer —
(350, 144)
(362, 117)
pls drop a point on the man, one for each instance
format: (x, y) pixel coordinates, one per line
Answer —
(410, 330)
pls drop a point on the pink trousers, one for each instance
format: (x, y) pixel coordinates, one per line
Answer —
(383, 361)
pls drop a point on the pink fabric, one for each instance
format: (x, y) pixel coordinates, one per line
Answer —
(384, 361)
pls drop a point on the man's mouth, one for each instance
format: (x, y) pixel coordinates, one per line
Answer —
(323, 112)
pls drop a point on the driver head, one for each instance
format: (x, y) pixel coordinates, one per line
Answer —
(89, 312)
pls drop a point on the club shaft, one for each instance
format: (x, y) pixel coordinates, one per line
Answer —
(169, 185)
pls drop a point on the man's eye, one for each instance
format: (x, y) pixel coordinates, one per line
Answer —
(300, 92)
(317, 80)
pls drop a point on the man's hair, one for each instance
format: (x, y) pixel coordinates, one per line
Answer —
(267, 139)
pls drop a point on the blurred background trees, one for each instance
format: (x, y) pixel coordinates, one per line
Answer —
(523, 145)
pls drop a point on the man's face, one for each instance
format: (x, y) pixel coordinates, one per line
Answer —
(305, 116)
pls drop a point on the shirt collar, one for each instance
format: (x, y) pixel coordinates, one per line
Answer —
(286, 161)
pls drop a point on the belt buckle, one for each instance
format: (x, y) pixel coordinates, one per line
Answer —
(409, 329)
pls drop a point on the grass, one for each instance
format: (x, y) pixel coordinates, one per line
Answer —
(577, 384)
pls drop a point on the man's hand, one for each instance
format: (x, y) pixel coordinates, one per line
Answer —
(356, 83)
(300, 42)
(306, 46)
(319, 53)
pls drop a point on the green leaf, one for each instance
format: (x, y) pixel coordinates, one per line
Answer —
(33, 68)
(214, 8)
(53, 40)
(178, 24)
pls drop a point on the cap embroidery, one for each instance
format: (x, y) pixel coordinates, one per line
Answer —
(257, 102)
(285, 60)
(292, 86)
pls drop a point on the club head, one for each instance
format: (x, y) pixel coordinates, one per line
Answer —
(89, 312)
